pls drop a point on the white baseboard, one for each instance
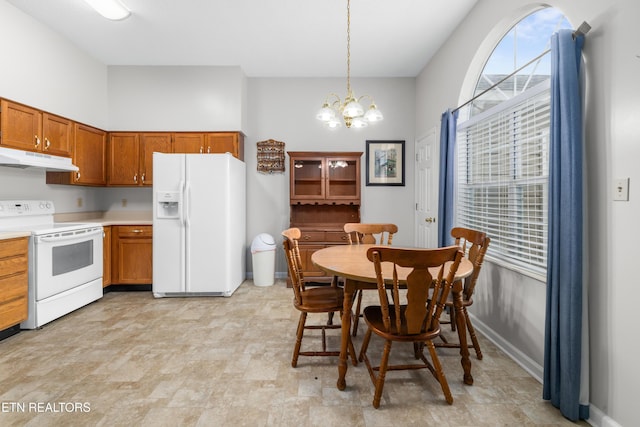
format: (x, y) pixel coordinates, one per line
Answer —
(597, 418)
(528, 364)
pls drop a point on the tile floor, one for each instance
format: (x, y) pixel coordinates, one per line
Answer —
(129, 359)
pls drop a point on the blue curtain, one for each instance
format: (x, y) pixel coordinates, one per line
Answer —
(445, 198)
(564, 349)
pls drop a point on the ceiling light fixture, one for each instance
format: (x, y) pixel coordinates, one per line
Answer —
(351, 110)
(110, 9)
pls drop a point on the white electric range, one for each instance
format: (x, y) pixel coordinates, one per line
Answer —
(65, 259)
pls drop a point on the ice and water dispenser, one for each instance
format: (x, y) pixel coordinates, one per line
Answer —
(168, 204)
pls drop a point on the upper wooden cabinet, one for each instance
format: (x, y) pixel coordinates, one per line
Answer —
(209, 143)
(89, 154)
(192, 143)
(226, 142)
(29, 129)
(131, 157)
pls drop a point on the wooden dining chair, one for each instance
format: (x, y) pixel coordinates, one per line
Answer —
(409, 316)
(474, 244)
(325, 299)
(362, 233)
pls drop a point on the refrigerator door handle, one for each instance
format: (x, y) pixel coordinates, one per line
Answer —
(181, 217)
(187, 204)
(187, 239)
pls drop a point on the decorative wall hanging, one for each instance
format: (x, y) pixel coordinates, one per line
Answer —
(385, 163)
(270, 156)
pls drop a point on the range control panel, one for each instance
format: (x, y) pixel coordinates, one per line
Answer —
(13, 208)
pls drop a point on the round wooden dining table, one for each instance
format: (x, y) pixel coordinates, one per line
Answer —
(351, 263)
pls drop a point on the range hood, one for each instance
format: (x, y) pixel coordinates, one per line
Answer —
(28, 159)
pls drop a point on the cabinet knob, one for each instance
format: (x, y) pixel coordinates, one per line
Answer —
(142, 178)
(47, 143)
(429, 220)
(78, 176)
(37, 141)
(135, 178)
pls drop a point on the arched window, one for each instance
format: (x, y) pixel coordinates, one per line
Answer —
(502, 156)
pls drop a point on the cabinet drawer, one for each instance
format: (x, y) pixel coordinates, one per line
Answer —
(312, 236)
(134, 230)
(13, 312)
(13, 265)
(12, 247)
(13, 287)
(336, 237)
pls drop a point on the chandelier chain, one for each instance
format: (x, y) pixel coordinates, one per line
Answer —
(348, 47)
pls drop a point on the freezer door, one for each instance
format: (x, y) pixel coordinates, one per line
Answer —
(168, 224)
(215, 211)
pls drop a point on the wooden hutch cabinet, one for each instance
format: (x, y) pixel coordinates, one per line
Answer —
(324, 194)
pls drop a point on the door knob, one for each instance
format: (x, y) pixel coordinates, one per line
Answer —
(430, 220)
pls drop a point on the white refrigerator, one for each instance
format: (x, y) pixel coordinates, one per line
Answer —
(199, 224)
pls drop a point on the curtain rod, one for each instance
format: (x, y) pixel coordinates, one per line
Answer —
(582, 30)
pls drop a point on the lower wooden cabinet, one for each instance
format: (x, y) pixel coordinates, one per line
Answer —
(106, 257)
(131, 256)
(312, 240)
(14, 282)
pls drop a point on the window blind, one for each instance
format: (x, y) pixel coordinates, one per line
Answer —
(502, 177)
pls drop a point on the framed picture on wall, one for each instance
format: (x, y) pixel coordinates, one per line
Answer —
(385, 163)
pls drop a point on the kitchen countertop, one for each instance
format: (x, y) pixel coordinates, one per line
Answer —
(103, 218)
(108, 217)
(4, 235)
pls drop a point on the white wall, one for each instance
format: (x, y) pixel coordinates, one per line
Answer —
(284, 110)
(175, 98)
(39, 68)
(510, 306)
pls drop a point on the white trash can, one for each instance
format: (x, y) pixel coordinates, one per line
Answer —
(263, 255)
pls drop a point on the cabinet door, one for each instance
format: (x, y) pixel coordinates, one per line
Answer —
(90, 155)
(343, 178)
(226, 142)
(57, 134)
(307, 178)
(124, 159)
(150, 143)
(21, 126)
(188, 143)
(131, 253)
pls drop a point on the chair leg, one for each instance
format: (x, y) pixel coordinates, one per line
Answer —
(365, 344)
(439, 373)
(356, 317)
(381, 374)
(472, 333)
(296, 349)
(452, 318)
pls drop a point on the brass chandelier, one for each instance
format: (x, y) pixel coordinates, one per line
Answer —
(350, 109)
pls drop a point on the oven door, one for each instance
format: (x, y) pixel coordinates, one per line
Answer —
(64, 260)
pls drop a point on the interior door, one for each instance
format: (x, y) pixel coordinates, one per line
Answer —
(426, 197)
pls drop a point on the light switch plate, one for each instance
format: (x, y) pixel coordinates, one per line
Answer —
(621, 189)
